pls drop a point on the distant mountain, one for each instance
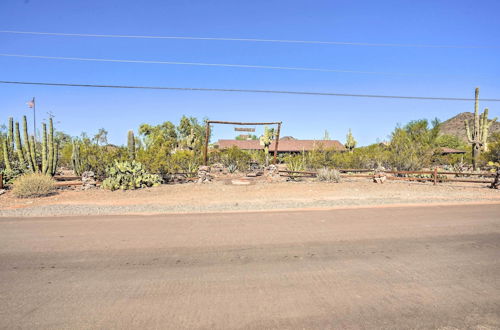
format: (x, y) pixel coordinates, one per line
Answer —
(455, 126)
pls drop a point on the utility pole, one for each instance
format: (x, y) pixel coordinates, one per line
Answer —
(32, 105)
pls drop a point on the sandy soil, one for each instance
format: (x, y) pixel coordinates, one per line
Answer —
(221, 196)
(399, 268)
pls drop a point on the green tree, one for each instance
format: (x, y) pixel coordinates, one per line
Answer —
(413, 146)
(101, 138)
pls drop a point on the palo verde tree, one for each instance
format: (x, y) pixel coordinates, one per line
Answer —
(265, 141)
(478, 136)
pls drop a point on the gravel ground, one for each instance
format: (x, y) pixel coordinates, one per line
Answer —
(219, 196)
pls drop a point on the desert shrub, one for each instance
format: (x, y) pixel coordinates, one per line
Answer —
(33, 185)
(258, 156)
(296, 162)
(234, 157)
(319, 158)
(16, 170)
(129, 175)
(493, 153)
(413, 146)
(184, 161)
(328, 175)
(94, 157)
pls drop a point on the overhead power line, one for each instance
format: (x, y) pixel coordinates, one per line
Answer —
(227, 65)
(247, 66)
(267, 91)
(284, 41)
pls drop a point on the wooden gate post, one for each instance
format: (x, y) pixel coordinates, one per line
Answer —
(205, 149)
(435, 175)
(276, 144)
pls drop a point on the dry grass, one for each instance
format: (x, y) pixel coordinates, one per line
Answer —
(328, 175)
(33, 185)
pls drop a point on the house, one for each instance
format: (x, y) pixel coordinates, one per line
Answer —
(450, 151)
(285, 145)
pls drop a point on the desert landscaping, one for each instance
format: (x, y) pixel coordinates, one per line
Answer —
(249, 165)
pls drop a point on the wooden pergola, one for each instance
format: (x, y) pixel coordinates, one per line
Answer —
(207, 135)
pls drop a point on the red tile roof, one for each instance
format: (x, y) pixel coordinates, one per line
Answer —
(284, 146)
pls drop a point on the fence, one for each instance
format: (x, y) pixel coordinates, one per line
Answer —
(435, 175)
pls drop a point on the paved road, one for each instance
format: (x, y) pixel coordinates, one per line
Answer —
(387, 268)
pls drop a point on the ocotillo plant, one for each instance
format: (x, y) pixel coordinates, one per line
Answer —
(350, 143)
(478, 136)
(131, 145)
(26, 149)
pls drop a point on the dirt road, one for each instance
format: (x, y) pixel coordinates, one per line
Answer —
(385, 268)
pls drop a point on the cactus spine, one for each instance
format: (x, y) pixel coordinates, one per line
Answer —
(478, 137)
(131, 145)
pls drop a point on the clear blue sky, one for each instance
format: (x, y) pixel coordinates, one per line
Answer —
(450, 72)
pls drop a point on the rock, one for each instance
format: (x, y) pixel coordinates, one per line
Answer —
(204, 174)
(496, 182)
(88, 180)
(217, 168)
(379, 178)
(2, 191)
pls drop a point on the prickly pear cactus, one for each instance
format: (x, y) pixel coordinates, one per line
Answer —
(129, 175)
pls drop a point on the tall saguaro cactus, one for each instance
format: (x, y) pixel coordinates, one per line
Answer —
(19, 146)
(75, 159)
(45, 164)
(10, 134)
(478, 136)
(131, 145)
(29, 150)
(6, 159)
(265, 141)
